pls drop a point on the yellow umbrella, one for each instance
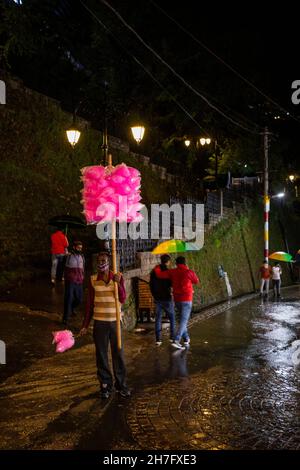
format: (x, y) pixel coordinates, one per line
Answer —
(281, 256)
(175, 246)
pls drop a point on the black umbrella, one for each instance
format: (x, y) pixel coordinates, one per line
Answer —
(67, 221)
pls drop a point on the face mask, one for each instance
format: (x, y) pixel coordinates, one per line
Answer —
(103, 266)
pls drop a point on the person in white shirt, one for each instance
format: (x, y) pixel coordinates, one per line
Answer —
(276, 278)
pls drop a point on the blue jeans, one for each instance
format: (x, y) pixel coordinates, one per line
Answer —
(168, 307)
(73, 298)
(184, 309)
(57, 266)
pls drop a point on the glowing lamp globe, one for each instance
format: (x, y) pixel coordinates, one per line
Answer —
(138, 133)
(73, 136)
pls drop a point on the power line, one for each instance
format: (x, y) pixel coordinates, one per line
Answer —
(236, 72)
(145, 69)
(188, 85)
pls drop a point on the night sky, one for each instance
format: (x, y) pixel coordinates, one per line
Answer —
(259, 40)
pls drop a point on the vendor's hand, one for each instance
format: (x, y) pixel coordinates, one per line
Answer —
(83, 332)
(117, 277)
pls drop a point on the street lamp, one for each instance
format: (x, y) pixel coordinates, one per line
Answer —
(187, 142)
(291, 178)
(205, 141)
(138, 133)
(73, 136)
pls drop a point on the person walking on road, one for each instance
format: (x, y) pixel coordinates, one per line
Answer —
(276, 278)
(59, 249)
(74, 276)
(265, 274)
(102, 307)
(182, 279)
(161, 292)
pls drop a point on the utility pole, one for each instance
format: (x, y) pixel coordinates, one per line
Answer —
(266, 195)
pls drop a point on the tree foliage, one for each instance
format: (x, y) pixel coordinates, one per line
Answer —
(58, 48)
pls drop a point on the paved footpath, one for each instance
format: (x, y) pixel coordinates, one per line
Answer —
(236, 387)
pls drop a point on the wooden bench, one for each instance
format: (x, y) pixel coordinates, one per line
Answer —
(145, 301)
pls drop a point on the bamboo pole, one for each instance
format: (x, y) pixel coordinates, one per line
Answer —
(114, 267)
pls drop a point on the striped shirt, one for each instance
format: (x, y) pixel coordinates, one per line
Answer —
(104, 300)
(99, 301)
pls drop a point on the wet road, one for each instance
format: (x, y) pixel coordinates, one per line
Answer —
(38, 295)
(236, 387)
(28, 315)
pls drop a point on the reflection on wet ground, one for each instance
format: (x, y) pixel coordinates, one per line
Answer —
(38, 295)
(236, 387)
(28, 315)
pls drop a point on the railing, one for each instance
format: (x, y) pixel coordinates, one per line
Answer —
(214, 204)
(127, 250)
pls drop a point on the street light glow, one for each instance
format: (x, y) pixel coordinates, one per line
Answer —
(187, 143)
(291, 177)
(279, 195)
(138, 133)
(205, 140)
(73, 136)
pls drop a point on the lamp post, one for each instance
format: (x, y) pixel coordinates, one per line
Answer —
(292, 181)
(105, 136)
(207, 141)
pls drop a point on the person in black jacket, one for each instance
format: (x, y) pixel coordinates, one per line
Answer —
(161, 292)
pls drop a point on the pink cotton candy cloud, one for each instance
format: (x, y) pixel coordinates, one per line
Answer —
(103, 194)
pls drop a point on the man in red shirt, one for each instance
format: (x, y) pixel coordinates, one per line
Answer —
(182, 279)
(265, 273)
(59, 249)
